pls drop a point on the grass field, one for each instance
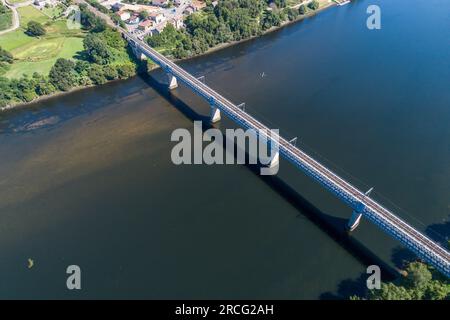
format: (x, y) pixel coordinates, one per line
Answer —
(53, 11)
(33, 54)
(16, 1)
(5, 19)
(29, 13)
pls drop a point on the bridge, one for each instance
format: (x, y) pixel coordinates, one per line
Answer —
(360, 202)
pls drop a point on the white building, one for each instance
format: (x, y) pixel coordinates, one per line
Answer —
(124, 15)
(157, 17)
(160, 3)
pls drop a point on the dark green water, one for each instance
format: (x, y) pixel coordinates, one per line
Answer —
(87, 179)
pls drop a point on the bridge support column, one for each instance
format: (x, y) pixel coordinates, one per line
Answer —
(172, 81)
(275, 161)
(214, 115)
(138, 53)
(357, 213)
(354, 221)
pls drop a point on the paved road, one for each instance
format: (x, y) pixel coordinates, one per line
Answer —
(15, 18)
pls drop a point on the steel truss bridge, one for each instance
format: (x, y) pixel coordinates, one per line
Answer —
(360, 202)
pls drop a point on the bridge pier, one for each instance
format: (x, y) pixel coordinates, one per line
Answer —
(214, 115)
(138, 53)
(275, 161)
(172, 81)
(354, 221)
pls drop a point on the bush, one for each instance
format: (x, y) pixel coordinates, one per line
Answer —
(302, 9)
(126, 70)
(314, 5)
(63, 75)
(35, 29)
(95, 73)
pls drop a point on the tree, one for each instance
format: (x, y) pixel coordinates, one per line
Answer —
(42, 85)
(390, 292)
(314, 5)
(418, 275)
(35, 29)
(302, 9)
(270, 19)
(5, 56)
(110, 72)
(143, 15)
(62, 75)
(417, 284)
(97, 49)
(126, 70)
(96, 74)
(291, 14)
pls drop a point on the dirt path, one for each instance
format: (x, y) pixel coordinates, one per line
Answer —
(15, 18)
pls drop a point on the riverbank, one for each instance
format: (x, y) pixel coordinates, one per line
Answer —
(152, 66)
(221, 46)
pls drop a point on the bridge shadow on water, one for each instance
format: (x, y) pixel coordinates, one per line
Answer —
(333, 226)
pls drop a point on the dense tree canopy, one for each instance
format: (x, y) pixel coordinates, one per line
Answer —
(97, 49)
(420, 282)
(35, 29)
(229, 20)
(100, 47)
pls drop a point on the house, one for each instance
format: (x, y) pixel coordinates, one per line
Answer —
(159, 28)
(189, 10)
(177, 22)
(145, 25)
(157, 17)
(160, 3)
(198, 5)
(124, 15)
(42, 3)
(134, 19)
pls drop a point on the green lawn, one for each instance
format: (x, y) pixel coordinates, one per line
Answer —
(5, 19)
(53, 11)
(32, 54)
(30, 13)
(16, 1)
(46, 54)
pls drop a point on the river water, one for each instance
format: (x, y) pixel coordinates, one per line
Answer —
(87, 179)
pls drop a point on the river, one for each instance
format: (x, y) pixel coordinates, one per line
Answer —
(86, 178)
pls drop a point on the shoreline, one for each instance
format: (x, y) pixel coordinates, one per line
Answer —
(154, 67)
(273, 29)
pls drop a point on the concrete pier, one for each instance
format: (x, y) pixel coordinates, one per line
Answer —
(215, 114)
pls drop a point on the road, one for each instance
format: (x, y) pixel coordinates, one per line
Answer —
(15, 18)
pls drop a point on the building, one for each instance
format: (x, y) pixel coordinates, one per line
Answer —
(124, 15)
(157, 17)
(134, 19)
(42, 3)
(177, 22)
(160, 3)
(189, 10)
(146, 25)
(159, 28)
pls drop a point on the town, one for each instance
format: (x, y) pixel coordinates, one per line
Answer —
(149, 19)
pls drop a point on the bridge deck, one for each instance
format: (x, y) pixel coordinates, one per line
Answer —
(424, 247)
